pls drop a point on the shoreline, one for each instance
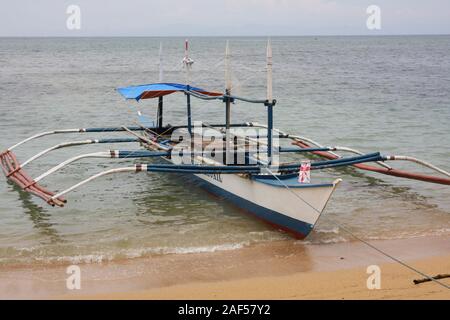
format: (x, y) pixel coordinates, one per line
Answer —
(264, 271)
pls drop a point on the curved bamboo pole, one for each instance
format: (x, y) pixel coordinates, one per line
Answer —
(136, 168)
(418, 161)
(77, 143)
(55, 147)
(42, 134)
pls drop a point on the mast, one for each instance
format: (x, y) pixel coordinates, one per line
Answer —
(160, 100)
(228, 100)
(269, 72)
(188, 65)
(269, 103)
(227, 86)
(227, 67)
(161, 71)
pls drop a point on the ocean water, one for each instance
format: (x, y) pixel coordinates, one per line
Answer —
(388, 94)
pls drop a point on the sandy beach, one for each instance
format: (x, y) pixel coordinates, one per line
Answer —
(342, 284)
(278, 270)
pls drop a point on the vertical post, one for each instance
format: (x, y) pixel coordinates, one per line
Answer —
(269, 103)
(227, 102)
(269, 131)
(227, 110)
(188, 65)
(227, 86)
(188, 102)
(160, 62)
(160, 113)
(160, 100)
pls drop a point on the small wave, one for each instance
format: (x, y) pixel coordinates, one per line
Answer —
(418, 234)
(142, 252)
(79, 259)
(332, 240)
(137, 253)
(334, 230)
(315, 241)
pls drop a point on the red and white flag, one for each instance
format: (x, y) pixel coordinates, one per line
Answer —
(304, 175)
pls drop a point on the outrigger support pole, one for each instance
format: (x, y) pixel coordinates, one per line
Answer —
(77, 143)
(211, 169)
(79, 130)
(119, 154)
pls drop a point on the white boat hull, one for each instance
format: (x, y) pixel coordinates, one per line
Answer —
(296, 213)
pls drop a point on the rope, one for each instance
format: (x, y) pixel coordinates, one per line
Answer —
(364, 241)
(207, 97)
(290, 190)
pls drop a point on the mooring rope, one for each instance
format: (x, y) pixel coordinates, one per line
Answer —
(362, 240)
(285, 185)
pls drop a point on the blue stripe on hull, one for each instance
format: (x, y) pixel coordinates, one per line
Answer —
(296, 227)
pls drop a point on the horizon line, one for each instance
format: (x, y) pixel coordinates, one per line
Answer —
(223, 36)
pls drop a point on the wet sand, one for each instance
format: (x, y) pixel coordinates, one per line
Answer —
(278, 270)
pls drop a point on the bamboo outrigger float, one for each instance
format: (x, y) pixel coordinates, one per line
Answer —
(243, 168)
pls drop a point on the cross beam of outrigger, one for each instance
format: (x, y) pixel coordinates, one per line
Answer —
(14, 171)
(258, 184)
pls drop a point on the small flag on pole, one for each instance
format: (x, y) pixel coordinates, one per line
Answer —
(304, 175)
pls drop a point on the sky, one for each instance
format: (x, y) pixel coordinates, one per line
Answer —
(222, 17)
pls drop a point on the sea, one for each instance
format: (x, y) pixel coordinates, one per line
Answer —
(372, 93)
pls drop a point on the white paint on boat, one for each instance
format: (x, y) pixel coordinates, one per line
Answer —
(278, 199)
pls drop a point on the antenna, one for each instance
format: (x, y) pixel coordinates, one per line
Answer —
(269, 72)
(187, 61)
(229, 156)
(160, 62)
(269, 103)
(227, 69)
(161, 78)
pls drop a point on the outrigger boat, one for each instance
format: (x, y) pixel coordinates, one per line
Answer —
(241, 165)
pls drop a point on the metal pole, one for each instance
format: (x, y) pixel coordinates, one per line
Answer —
(188, 64)
(188, 102)
(269, 131)
(227, 110)
(269, 103)
(160, 113)
(160, 101)
(227, 126)
(227, 102)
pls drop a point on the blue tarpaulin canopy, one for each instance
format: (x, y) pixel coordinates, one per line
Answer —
(154, 90)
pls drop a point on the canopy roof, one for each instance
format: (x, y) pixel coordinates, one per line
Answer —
(154, 90)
